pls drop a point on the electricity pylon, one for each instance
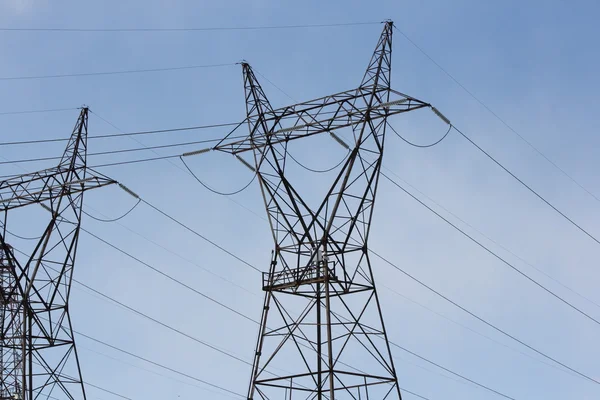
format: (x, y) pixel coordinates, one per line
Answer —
(11, 350)
(39, 358)
(337, 346)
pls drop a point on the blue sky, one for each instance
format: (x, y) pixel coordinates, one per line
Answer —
(534, 64)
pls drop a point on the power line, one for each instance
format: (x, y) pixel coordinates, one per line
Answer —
(339, 317)
(483, 320)
(134, 161)
(118, 163)
(117, 151)
(439, 294)
(145, 369)
(167, 326)
(463, 308)
(201, 236)
(503, 121)
(319, 171)
(106, 390)
(222, 305)
(472, 330)
(275, 86)
(131, 71)
(422, 146)
(540, 353)
(85, 383)
(490, 251)
(213, 140)
(527, 186)
(453, 373)
(450, 126)
(184, 374)
(178, 255)
(487, 249)
(37, 111)
(19, 236)
(135, 311)
(145, 360)
(408, 275)
(235, 127)
(131, 309)
(157, 364)
(494, 241)
(197, 142)
(388, 178)
(112, 219)
(123, 134)
(191, 29)
(550, 358)
(179, 282)
(414, 394)
(216, 191)
(256, 269)
(146, 316)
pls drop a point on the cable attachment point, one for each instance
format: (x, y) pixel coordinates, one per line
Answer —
(128, 191)
(339, 140)
(439, 114)
(196, 152)
(246, 163)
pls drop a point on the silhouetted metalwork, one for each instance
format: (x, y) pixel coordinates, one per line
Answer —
(39, 358)
(336, 347)
(11, 352)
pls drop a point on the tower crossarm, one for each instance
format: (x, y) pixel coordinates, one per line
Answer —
(45, 185)
(325, 114)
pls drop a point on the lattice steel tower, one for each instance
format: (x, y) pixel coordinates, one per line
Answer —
(11, 365)
(39, 358)
(336, 347)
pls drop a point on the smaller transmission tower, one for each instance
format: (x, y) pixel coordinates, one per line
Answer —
(39, 358)
(11, 352)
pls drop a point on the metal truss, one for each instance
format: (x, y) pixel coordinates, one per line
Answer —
(337, 346)
(39, 358)
(11, 351)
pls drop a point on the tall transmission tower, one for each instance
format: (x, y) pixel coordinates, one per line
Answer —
(337, 346)
(39, 358)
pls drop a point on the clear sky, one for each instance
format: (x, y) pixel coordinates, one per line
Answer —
(534, 63)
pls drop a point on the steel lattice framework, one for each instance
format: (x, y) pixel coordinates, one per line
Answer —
(336, 347)
(12, 343)
(39, 358)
